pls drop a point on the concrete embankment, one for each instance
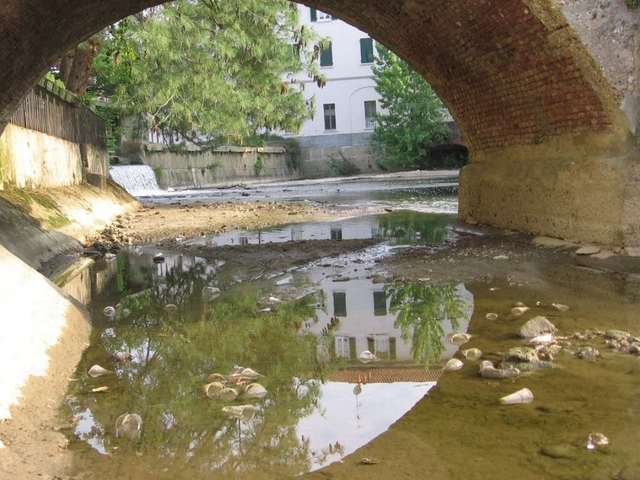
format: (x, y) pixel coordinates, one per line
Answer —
(38, 225)
(44, 329)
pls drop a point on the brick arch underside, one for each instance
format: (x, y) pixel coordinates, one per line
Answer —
(507, 77)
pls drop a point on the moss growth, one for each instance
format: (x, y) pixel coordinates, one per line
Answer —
(57, 221)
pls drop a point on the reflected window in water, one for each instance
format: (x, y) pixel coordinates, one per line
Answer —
(340, 304)
(379, 304)
(336, 233)
(297, 234)
(342, 347)
(244, 241)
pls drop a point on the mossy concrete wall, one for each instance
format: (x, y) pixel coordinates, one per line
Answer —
(30, 159)
(220, 167)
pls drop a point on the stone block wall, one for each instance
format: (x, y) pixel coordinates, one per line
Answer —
(223, 166)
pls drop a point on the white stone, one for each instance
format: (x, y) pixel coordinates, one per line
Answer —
(603, 255)
(633, 251)
(588, 250)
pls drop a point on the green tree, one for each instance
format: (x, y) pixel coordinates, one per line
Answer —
(211, 68)
(415, 118)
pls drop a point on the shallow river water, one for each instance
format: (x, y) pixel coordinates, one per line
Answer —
(305, 331)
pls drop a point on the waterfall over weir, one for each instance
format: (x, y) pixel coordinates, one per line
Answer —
(135, 179)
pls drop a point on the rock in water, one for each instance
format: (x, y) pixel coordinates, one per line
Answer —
(517, 311)
(129, 426)
(499, 373)
(588, 250)
(521, 355)
(560, 307)
(536, 327)
(617, 335)
(458, 339)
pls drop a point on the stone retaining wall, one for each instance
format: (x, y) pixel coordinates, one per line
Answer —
(220, 167)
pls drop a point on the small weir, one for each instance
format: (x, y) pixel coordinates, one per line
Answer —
(135, 179)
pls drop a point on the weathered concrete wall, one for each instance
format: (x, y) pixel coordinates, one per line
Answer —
(220, 167)
(30, 159)
(34, 160)
(316, 151)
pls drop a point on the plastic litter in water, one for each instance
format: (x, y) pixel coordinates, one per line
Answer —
(241, 412)
(98, 371)
(472, 354)
(367, 356)
(491, 316)
(597, 440)
(109, 312)
(129, 426)
(521, 396)
(453, 364)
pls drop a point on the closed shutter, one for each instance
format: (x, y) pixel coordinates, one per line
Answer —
(392, 348)
(371, 344)
(314, 14)
(366, 50)
(352, 348)
(326, 56)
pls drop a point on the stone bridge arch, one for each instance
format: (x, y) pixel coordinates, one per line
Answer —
(548, 119)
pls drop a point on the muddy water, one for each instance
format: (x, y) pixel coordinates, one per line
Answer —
(304, 331)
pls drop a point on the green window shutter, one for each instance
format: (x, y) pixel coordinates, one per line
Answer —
(326, 56)
(352, 348)
(371, 344)
(314, 14)
(366, 50)
(392, 348)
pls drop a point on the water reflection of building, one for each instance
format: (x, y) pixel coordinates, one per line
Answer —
(365, 322)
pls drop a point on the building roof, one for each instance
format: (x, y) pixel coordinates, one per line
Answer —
(387, 375)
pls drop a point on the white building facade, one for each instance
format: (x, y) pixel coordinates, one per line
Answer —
(345, 106)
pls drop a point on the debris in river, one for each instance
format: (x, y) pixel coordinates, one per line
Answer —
(215, 377)
(357, 390)
(369, 461)
(542, 339)
(213, 389)
(255, 390)
(158, 258)
(472, 354)
(452, 365)
(491, 316)
(536, 327)
(588, 250)
(129, 426)
(597, 441)
(240, 412)
(501, 257)
(98, 371)
(560, 307)
(286, 280)
(367, 356)
(458, 339)
(171, 309)
(109, 312)
(517, 311)
(210, 293)
(245, 372)
(228, 394)
(521, 396)
(99, 389)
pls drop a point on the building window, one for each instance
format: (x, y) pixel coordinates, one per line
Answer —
(379, 304)
(329, 116)
(326, 56)
(340, 304)
(318, 16)
(342, 347)
(370, 114)
(366, 50)
(336, 233)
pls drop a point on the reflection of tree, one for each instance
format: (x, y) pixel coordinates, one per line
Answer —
(174, 354)
(421, 309)
(404, 224)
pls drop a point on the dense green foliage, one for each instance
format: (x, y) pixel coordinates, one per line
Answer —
(415, 115)
(421, 309)
(212, 68)
(341, 166)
